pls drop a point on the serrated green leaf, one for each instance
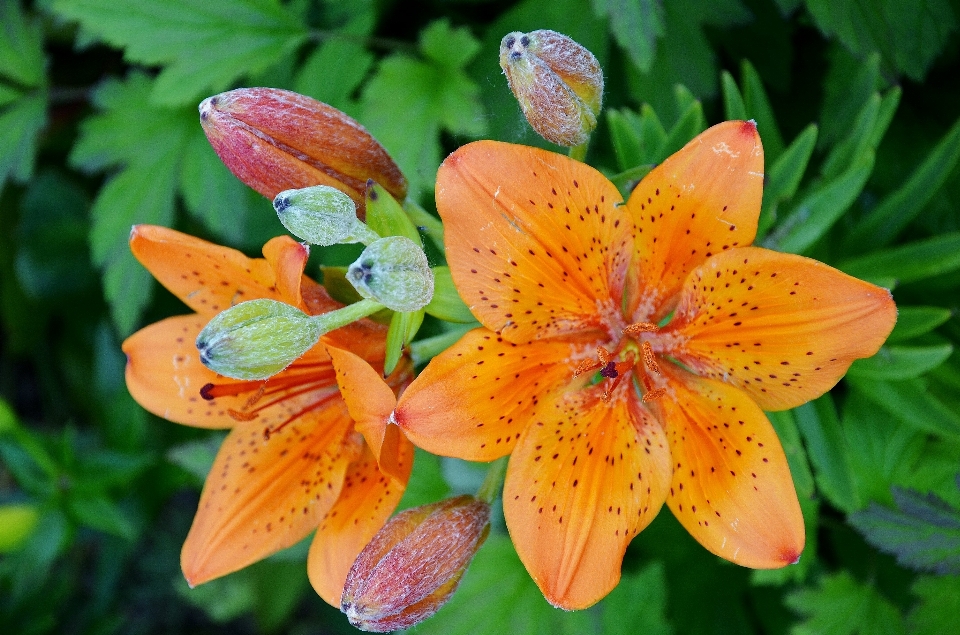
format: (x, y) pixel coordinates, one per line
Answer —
(900, 362)
(638, 604)
(203, 46)
(21, 47)
(432, 95)
(20, 124)
(733, 106)
(817, 213)
(758, 108)
(938, 605)
(917, 320)
(910, 262)
(497, 596)
(911, 403)
(894, 213)
(785, 177)
(923, 532)
(636, 26)
(909, 35)
(334, 71)
(843, 606)
(446, 303)
(820, 427)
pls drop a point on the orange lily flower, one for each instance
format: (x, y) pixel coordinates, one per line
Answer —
(293, 460)
(694, 333)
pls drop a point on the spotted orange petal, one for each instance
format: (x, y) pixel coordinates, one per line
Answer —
(366, 501)
(371, 402)
(267, 492)
(536, 241)
(164, 374)
(731, 486)
(782, 327)
(210, 278)
(585, 478)
(700, 201)
(473, 400)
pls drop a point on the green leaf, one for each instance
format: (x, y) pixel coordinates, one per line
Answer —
(938, 605)
(909, 35)
(733, 107)
(789, 435)
(403, 328)
(636, 25)
(843, 606)
(894, 213)
(433, 94)
(923, 532)
(912, 404)
(758, 108)
(17, 522)
(20, 125)
(638, 604)
(820, 427)
(690, 124)
(900, 362)
(21, 47)
(97, 512)
(386, 217)
(917, 320)
(203, 46)
(196, 457)
(818, 212)
(850, 82)
(497, 596)
(334, 71)
(785, 176)
(446, 303)
(637, 139)
(910, 262)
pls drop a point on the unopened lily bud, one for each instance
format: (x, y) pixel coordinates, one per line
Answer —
(322, 215)
(393, 271)
(256, 339)
(414, 564)
(275, 140)
(558, 83)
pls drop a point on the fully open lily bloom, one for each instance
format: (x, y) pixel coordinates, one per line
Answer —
(693, 331)
(293, 461)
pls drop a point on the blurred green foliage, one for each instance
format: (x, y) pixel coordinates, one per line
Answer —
(859, 110)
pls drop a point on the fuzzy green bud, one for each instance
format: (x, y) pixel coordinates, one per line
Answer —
(558, 83)
(393, 271)
(321, 215)
(256, 339)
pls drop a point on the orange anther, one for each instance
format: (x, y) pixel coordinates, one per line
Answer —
(641, 327)
(653, 395)
(649, 360)
(586, 366)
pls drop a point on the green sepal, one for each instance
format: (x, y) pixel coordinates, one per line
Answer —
(386, 216)
(403, 328)
(446, 303)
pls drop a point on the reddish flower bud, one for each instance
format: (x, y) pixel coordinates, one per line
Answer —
(414, 564)
(275, 140)
(558, 83)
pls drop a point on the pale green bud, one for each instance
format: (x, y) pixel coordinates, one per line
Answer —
(256, 339)
(393, 271)
(321, 215)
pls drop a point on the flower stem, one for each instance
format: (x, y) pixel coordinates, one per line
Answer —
(425, 221)
(493, 481)
(347, 315)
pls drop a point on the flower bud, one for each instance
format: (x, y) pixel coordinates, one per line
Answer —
(322, 215)
(393, 271)
(275, 140)
(414, 564)
(558, 83)
(256, 339)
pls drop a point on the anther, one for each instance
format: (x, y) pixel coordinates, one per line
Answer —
(649, 360)
(641, 327)
(653, 395)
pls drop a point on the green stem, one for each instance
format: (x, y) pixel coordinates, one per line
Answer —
(425, 221)
(422, 351)
(347, 315)
(633, 174)
(493, 481)
(579, 153)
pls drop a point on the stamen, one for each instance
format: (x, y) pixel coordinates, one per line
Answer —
(641, 327)
(649, 360)
(653, 395)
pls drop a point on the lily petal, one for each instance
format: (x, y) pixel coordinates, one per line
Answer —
(783, 328)
(473, 400)
(585, 478)
(164, 374)
(265, 493)
(370, 402)
(209, 278)
(366, 501)
(731, 486)
(535, 240)
(700, 201)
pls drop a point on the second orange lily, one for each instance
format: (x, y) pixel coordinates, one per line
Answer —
(628, 352)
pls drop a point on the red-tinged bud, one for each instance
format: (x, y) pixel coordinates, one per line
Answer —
(414, 564)
(275, 140)
(558, 83)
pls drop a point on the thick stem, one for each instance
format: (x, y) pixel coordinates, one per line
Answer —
(425, 221)
(493, 481)
(347, 315)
